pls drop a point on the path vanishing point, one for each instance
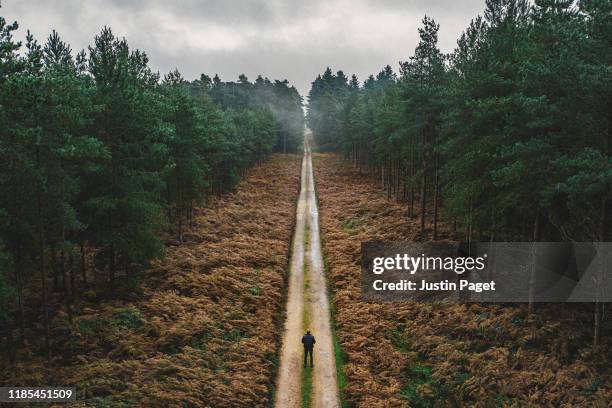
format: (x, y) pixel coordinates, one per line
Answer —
(310, 299)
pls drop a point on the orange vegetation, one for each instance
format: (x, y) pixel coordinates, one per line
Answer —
(427, 354)
(204, 331)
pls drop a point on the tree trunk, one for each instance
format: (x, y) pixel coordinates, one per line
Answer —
(169, 209)
(41, 255)
(191, 213)
(72, 280)
(65, 281)
(493, 226)
(403, 181)
(398, 194)
(43, 276)
(389, 178)
(19, 279)
(112, 268)
(532, 274)
(597, 324)
(180, 215)
(411, 208)
(54, 270)
(10, 349)
(423, 183)
(83, 264)
(435, 209)
(468, 227)
(358, 158)
(180, 226)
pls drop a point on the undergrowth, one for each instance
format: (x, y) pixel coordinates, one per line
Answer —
(203, 329)
(433, 355)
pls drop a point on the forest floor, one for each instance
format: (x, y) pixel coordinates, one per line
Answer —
(203, 328)
(307, 309)
(432, 354)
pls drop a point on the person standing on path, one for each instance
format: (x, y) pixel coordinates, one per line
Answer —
(308, 341)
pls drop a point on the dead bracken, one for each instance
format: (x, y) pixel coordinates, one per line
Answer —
(432, 354)
(205, 330)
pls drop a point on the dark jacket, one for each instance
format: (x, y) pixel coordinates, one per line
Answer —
(308, 340)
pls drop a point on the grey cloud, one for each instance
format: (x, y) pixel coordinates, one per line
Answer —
(223, 11)
(432, 6)
(280, 39)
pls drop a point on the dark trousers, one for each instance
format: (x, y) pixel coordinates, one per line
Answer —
(307, 351)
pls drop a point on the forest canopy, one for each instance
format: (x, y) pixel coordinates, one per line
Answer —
(509, 137)
(101, 156)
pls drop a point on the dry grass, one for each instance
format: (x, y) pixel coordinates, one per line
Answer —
(204, 332)
(427, 354)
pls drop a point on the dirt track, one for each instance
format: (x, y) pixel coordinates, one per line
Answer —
(325, 388)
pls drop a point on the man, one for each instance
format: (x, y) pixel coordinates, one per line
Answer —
(308, 341)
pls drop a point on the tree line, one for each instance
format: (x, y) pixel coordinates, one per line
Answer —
(509, 137)
(100, 156)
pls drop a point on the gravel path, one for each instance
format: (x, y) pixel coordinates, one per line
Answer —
(325, 387)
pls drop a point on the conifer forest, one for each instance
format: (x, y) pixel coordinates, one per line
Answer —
(166, 241)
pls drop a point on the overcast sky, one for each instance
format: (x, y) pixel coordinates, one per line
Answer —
(281, 39)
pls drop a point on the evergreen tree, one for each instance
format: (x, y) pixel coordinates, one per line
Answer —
(94, 148)
(123, 199)
(423, 78)
(186, 171)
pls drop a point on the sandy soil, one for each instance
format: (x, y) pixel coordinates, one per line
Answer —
(325, 388)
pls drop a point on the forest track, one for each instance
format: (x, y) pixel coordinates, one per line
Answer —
(315, 304)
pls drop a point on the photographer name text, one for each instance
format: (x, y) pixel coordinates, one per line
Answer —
(445, 285)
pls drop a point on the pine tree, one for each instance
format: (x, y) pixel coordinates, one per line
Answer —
(186, 171)
(123, 200)
(423, 79)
